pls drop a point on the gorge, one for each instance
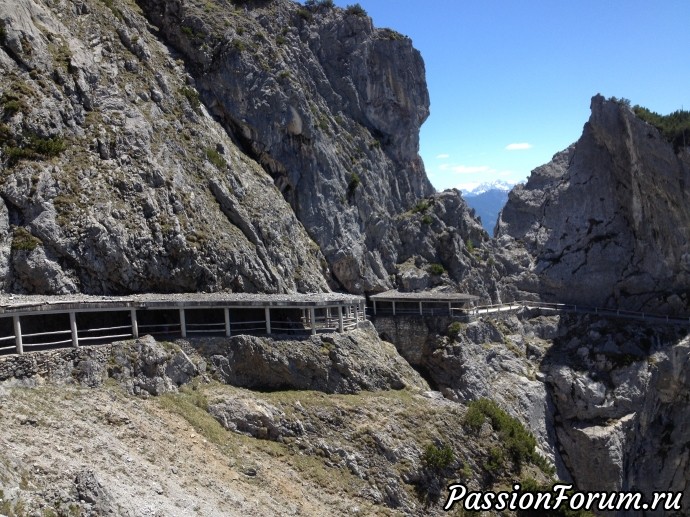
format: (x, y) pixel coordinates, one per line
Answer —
(271, 147)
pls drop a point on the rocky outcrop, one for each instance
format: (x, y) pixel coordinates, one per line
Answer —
(114, 177)
(606, 219)
(620, 394)
(331, 107)
(141, 367)
(332, 363)
(497, 358)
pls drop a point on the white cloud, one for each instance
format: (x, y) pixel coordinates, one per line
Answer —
(518, 147)
(443, 156)
(470, 169)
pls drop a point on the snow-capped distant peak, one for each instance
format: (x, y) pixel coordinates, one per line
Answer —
(504, 186)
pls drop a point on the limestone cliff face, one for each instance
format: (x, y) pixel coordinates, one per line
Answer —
(620, 404)
(115, 178)
(184, 146)
(607, 219)
(328, 104)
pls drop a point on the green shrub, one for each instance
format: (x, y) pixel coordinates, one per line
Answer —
(674, 127)
(495, 463)
(239, 45)
(192, 97)
(23, 240)
(438, 458)
(453, 332)
(305, 14)
(436, 269)
(517, 440)
(469, 245)
(12, 103)
(356, 10)
(46, 147)
(426, 219)
(391, 34)
(216, 158)
(280, 39)
(421, 207)
(30, 147)
(319, 4)
(110, 5)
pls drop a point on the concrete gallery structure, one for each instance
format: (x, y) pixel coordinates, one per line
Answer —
(39, 323)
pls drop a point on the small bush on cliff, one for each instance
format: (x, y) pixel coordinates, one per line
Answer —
(23, 240)
(12, 103)
(421, 207)
(305, 14)
(192, 97)
(356, 10)
(319, 4)
(674, 127)
(436, 269)
(518, 441)
(216, 158)
(438, 458)
(30, 147)
(453, 332)
(438, 464)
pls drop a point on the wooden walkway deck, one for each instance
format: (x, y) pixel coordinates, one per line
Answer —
(576, 309)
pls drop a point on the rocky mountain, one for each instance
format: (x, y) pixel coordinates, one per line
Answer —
(188, 145)
(115, 178)
(487, 200)
(606, 220)
(606, 398)
(331, 107)
(270, 146)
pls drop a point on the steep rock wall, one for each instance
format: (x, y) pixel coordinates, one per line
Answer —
(328, 104)
(607, 219)
(114, 177)
(620, 403)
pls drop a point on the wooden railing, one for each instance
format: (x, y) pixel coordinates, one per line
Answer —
(573, 308)
(330, 316)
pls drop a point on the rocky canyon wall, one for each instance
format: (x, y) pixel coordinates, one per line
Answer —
(607, 220)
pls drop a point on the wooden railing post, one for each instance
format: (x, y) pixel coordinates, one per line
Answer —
(183, 323)
(135, 326)
(18, 334)
(228, 332)
(73, 327)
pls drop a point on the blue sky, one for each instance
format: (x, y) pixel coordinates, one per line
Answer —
(505, 72)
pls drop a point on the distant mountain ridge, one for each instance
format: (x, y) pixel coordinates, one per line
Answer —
(488, 199)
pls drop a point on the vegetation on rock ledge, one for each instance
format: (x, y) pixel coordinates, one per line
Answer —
(23, 240)
(675, 127)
